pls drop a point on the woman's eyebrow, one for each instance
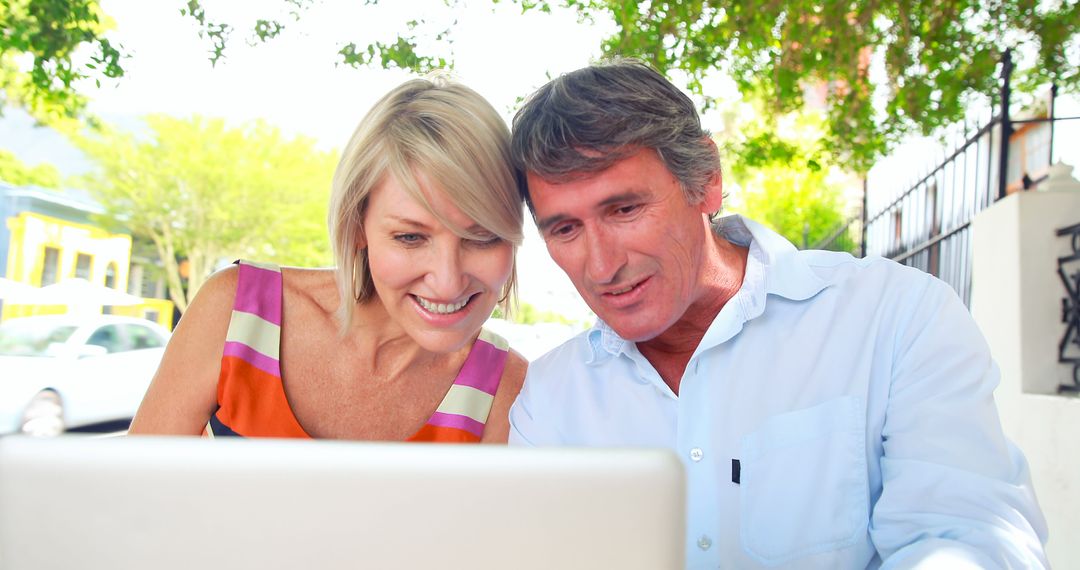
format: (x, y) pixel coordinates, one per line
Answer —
(408, 221)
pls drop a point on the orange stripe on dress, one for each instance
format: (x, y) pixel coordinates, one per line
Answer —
(253, 402)
(440, 434)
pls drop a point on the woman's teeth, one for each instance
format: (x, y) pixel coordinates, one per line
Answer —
(440, 308)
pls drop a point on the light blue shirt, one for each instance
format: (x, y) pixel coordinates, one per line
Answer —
(857, 396)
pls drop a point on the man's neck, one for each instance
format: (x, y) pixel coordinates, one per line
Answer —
(722, 275)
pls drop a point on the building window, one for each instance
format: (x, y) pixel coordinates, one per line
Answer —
(110, 276)
(1029, 156)
(50, 267)
(82, 266)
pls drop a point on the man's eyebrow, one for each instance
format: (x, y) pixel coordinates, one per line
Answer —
(549, 221)
(630, 196)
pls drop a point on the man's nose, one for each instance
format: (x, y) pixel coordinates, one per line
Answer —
(604, 256)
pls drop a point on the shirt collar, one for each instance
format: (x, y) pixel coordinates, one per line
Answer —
(773, 267)
(784, 270)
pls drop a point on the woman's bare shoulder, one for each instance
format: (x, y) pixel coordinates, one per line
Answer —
(513, 376)
(183, 392)
(217, 294)
(514, 372)
(317, 286)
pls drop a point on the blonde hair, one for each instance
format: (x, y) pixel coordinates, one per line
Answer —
(454, 137)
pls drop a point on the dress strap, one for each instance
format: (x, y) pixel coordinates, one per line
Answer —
(251, 398)
(463, 412)
(255, 325)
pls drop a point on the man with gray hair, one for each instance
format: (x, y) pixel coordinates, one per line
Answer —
(831, 412)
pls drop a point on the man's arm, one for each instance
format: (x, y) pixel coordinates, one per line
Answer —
(955, 492)
(523, 428)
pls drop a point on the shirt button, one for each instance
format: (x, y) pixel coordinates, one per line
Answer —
(704, 542)
(696, 454)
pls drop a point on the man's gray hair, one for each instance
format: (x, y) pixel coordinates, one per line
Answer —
(587, 120)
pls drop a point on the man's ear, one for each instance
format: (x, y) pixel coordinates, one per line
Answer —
(713, 199)
(714, 194)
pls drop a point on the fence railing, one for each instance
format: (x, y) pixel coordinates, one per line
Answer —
(926, 223)
(845, 237)
(1069, 272)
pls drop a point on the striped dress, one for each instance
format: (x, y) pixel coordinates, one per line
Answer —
(251, 397)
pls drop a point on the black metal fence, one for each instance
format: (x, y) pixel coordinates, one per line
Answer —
(920, 214)
(1069, 272)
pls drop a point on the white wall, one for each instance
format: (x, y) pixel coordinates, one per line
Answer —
(1016, 299)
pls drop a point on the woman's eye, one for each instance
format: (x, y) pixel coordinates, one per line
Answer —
(408, 239)
(485, 242)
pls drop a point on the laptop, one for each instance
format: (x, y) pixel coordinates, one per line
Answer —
(191, 503)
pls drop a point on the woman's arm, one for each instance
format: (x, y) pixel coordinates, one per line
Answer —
(183, 394)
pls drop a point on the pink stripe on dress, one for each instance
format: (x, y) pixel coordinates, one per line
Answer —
(263, 300)
(483, 367)
(253, 357)
(457, 421)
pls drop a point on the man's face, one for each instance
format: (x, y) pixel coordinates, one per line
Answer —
(629, 241)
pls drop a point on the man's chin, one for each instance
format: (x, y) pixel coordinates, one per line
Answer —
(634, 332)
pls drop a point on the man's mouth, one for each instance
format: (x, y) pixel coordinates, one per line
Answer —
(441, 308)
(624, 290)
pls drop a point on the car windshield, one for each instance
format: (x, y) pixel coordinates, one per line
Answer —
(32, 337)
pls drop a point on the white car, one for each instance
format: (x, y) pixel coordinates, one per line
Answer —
(62, 372)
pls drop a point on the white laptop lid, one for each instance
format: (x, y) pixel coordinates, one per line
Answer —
(190, 503)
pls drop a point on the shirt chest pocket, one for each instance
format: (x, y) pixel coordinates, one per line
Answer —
(803, 486)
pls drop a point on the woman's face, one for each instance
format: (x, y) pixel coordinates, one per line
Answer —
(438, 286)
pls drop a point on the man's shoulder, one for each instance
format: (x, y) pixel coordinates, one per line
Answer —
(876, 284)
(843, 268)
(573, 354)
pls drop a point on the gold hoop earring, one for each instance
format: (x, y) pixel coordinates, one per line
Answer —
(356, 285)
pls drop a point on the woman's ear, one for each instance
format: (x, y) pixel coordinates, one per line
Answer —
(360, 240)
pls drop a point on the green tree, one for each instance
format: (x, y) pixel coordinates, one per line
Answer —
(782, 178)
(200, 190)
(15, 172)
(46, 48)
(936, 57)
(528, 314)
(798, 203)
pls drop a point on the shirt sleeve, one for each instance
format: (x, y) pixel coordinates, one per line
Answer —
(525, 430)
(955, 492)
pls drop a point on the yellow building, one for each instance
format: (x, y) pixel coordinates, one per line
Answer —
(48, 236)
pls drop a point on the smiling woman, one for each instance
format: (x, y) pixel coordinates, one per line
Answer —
(438, 284)
(425, 221)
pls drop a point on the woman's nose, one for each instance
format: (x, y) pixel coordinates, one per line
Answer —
(446, 276)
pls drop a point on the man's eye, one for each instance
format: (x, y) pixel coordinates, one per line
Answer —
(627, 209)
(562, 231)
